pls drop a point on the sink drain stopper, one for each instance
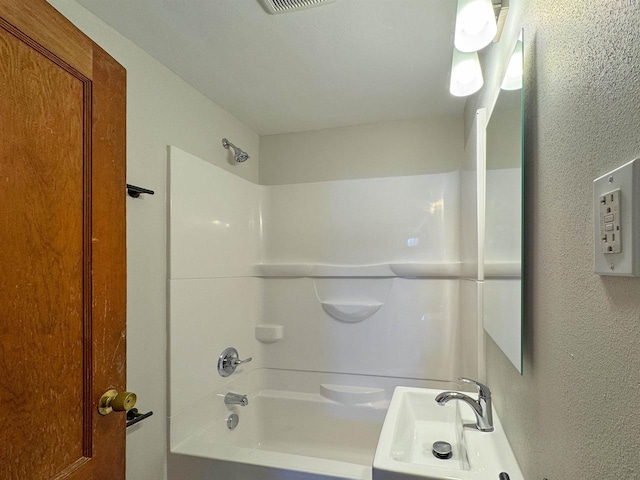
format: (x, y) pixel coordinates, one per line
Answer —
(442, 450)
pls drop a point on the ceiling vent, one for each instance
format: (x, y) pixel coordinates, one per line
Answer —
(285, 6)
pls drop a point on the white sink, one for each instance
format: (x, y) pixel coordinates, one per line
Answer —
(415, 421)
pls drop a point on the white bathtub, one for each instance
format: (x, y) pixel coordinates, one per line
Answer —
(298, 425)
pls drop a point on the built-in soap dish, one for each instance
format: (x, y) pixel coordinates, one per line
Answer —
(269, 333)
(350, 395)
(351, 312)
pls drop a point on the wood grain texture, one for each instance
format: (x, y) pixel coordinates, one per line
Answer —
(62, 249)
(109, 255)
(45, 26)
(41, 286)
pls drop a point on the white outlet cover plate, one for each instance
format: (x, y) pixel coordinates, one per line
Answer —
(627, 179)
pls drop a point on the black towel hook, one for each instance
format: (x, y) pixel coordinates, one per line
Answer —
(135, 192)
(134, 416)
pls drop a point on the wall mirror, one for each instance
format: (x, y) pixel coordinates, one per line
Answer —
(503, 229)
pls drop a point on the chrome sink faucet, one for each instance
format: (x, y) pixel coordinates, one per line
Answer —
(236, 399)
(481, 407)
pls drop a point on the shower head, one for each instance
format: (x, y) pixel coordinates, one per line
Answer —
(239, 154)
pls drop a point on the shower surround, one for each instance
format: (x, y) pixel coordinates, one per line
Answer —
(339, 290)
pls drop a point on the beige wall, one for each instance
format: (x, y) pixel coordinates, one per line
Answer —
(162, 110)
(388, 149)
(504, 132)
(574, 413)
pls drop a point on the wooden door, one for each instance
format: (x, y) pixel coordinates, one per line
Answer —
(62, 248)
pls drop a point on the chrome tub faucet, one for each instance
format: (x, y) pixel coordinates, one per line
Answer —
(481, 407)
(236, 399)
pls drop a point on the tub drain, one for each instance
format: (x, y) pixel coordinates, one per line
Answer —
(442, 450)
(232, 421)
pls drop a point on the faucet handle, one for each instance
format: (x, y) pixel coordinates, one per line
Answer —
(236, 361)
(483, 390)
(229, 360)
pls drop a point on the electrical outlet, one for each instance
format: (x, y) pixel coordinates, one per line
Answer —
(610, 232)
(616, 209)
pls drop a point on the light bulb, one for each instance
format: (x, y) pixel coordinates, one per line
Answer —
(475, 25)
(466, 74)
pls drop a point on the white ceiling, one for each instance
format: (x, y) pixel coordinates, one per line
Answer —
(345, 63)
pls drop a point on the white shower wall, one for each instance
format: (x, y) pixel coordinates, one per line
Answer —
(363, 222)
(214, 220)
(414, 335)
(503, 282)
(224, 234)
(503, 240)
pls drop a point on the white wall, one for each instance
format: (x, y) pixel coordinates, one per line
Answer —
(410, 147)
(162, 109)
(472, 236)
(215, 303)
(417, 325)
(386, 149)
(472, 201)
(503, 222)
(364, 221)
(222, 226)
(503, 203)
(504, 132)
(503, 252)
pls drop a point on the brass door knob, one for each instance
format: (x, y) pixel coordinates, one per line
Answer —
(111, 401)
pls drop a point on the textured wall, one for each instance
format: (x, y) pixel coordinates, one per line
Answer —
(574, 413)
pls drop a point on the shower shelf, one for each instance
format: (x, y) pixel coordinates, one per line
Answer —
(269, 333)
(405, 269)
(351, 312)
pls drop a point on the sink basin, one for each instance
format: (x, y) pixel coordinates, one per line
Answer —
(415, 421)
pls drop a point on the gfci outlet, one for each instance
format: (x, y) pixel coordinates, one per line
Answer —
(616, 222)
(610, 233)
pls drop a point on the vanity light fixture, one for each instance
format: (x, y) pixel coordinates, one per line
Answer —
(466, 74)
(513, 76)
(476, 25)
